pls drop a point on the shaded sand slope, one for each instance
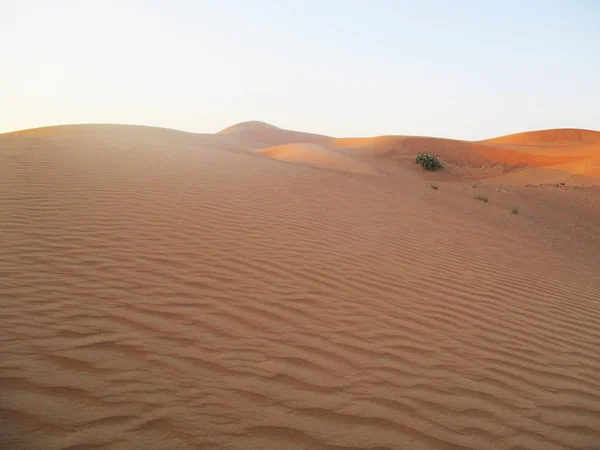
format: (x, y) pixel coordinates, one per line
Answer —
(318, 156)
(198, 297)
(257, 134)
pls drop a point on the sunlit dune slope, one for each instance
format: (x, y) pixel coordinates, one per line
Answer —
(559, 136)
(585, 171)
(450, 150)
(506, 154)
(318, 156)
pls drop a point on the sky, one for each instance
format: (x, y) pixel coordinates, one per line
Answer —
(460, 69)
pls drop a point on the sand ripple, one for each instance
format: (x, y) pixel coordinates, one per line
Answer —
(187, 296)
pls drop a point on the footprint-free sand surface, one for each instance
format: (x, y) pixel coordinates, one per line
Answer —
(170, 290)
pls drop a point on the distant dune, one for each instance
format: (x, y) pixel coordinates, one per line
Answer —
(241, 290)
(562, 136)
(261, 134)
(317, 156)
(575, 151)
(570, 150)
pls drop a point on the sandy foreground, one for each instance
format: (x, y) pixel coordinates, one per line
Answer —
(265, 289)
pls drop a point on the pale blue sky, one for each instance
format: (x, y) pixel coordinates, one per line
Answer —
(462, 69)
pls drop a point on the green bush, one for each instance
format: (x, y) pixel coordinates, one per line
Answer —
(429, 162)
(434, 186)
(515, 210)
(483, 198)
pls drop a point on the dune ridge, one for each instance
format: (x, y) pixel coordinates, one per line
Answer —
(554, 136)
(165, 290)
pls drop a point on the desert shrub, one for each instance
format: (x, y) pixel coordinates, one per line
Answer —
(515, 210)
(483, 198)
(429, 162)
(434, 186)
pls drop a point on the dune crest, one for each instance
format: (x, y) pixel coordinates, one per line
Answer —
(261, 135)
(249, 126)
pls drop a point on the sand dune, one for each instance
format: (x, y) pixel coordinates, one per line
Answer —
(494, 156)
(317, 156)
(561, 136)
(584, 171)
(162, 289)
(255, 134)
(571, 151)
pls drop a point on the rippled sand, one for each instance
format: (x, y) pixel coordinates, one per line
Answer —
(163, 290)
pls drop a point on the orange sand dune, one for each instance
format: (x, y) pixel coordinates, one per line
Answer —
(260, 134)
(165, 290)
(503, 153)
(453, 151)
(560, 136)
(568, 148)
(317, 156)
(579, 172)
